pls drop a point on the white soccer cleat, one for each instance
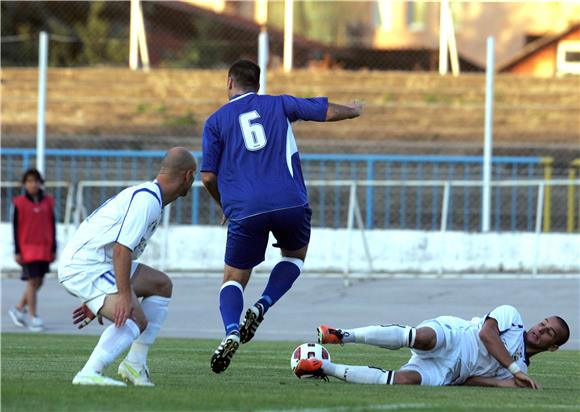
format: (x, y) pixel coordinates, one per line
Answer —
(18, 316)
(35, 324)
(136, 374)
(96, 379)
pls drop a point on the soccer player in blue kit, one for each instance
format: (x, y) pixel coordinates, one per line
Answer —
(251, 168)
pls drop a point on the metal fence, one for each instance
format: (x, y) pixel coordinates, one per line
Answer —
(398, 206)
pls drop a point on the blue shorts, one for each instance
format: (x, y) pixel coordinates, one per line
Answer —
(248, 238)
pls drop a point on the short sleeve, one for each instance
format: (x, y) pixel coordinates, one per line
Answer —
(144, 209)
(314, 108)
(507, 317)
(211, 147)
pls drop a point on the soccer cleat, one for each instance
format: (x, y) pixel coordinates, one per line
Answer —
(18, 316)
(310, 368)
(96, 379)
(35, 324)
(326, 334)
(223, 354)
(254, 316)
(136, 374)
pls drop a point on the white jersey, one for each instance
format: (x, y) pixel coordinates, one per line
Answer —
(129, 218)
(474, 358)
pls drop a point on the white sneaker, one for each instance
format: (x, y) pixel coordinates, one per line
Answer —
(95, 379)
(18, 316)
(35, 324)
(134, 373)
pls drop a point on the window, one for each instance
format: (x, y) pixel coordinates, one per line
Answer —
(416, 15)
(568, 57)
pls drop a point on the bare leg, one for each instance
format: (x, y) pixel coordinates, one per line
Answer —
(24, 299)
(108, 310)
(242, 276)
(426, 339)
(407, 378)
(299, 254)
(156, 289)
(114, 340)
(283, 276)
(31, 294)
(151, 282)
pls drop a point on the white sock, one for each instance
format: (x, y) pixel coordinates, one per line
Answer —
(359, 374)
(384, 336)
(112, 343)
(155, 309)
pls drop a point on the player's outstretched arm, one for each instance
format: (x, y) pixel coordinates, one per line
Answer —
(490, 382)
(489, 335)
(338, 112)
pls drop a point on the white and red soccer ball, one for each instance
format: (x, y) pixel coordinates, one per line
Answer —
(306, 351)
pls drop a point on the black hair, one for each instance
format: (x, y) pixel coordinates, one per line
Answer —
(566, 328)
(246, 75)
(34, 173)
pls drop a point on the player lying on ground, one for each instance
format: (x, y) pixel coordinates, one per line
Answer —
(490, 351)
(98, 266)
(251, 167)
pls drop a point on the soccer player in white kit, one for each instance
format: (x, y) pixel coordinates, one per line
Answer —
(489, 351)
(98, 265)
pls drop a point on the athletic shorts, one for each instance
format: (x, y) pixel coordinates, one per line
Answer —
(248, 238)
(89, 286)
(34, 270)
(440, 365)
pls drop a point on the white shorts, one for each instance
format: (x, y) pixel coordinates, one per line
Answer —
(440, 365)
(90, 286)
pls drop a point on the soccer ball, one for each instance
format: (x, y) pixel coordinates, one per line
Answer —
(306, 351)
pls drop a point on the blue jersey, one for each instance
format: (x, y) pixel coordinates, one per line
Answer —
(248, 143)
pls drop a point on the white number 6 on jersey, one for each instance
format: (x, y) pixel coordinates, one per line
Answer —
(254, 136)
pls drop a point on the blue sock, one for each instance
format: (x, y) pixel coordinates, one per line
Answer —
(231, 305)
(281, 280)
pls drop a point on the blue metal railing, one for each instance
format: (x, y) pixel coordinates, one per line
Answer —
(384, 207)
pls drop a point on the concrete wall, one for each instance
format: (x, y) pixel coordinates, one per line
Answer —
(201, 248)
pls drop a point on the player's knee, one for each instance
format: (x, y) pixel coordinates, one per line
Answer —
(165, 287)
(426, 339)
(407, 378)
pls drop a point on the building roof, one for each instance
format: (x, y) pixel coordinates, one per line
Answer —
(536, 46)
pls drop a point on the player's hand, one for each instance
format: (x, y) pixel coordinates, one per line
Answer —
(18, 259)
(123, 310)
(82, 316)
(524, 381)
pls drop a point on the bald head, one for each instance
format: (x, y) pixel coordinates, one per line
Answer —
(177, 159)
(176, 174)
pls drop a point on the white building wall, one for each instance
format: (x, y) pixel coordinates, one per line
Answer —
(201, 249)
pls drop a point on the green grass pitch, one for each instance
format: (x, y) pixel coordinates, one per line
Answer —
(37, 371)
